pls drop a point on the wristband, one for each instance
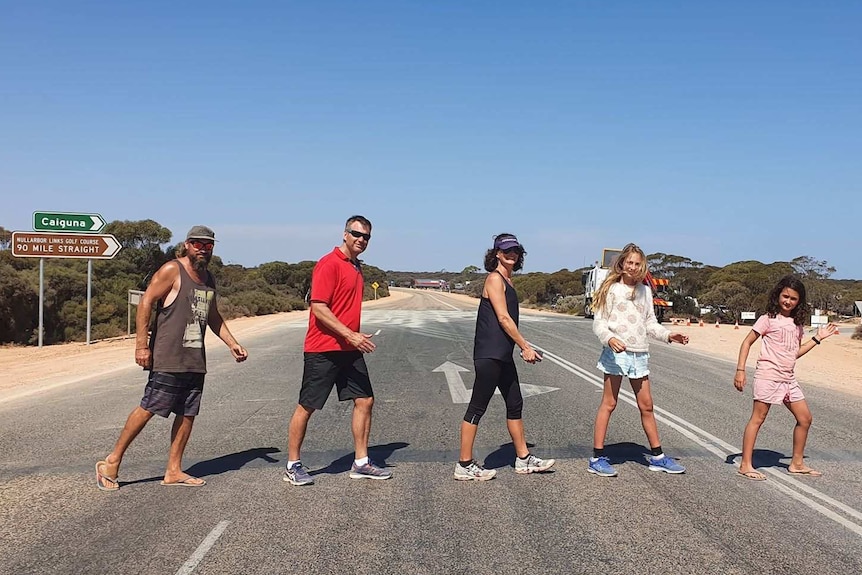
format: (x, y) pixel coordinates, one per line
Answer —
(815, 340)
(737, 369)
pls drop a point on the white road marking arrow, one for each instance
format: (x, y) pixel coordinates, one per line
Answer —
(460, 393)
(457, 389)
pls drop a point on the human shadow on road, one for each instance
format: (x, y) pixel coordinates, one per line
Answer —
(627, 451)
(222, 464)
(503, 456)
(763, 458)
(377, 453)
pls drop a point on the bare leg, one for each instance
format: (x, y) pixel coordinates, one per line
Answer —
(137, 420)
(516, 430)
(641, 388)
(800, 411)
(468, 437)
(181, 430)
(296, 431)
(609, 402)
(758, 415)
(361, 425)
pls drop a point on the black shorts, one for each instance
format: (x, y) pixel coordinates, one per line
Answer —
(178, 393)
(344, 369)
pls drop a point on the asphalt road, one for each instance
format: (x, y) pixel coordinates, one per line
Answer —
(247, 520)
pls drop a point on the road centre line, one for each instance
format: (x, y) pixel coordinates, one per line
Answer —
(723, 449)
(202, 549)
(444, 303)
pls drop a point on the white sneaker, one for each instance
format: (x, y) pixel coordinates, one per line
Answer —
(532, 464)
(473, 472)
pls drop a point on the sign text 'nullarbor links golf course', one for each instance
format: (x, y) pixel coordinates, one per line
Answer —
(48, 245)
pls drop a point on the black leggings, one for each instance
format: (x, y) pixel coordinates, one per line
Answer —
(490, 375)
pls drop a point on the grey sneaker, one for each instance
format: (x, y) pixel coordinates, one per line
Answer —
(532, 464)
(368, 471)
(297, 475)
(473, 472)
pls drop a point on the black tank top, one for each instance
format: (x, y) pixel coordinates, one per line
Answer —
(178, 345)
(491, 342)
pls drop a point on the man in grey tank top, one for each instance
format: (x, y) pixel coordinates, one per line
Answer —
(184, 294)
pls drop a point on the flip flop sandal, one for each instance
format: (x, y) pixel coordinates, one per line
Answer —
(752, 475)
(809, 472)
(103, 482)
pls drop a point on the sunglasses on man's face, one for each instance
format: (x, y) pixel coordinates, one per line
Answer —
(357, 234)
(201, 244)
(511, 250)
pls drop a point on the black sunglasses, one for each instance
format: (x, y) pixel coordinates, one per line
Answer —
(515, 249)
(357, 234)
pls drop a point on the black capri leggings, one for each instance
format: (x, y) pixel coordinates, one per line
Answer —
(490, 375)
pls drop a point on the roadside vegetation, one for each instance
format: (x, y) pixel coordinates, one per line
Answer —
(269, 288)
(278, 286)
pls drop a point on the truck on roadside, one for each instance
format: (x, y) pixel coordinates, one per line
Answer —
(593, 278)
(430, 284)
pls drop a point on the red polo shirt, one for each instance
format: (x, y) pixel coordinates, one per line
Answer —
(337, 282)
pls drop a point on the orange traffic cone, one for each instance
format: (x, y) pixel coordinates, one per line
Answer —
(716, 322)
(736, 325)
(701, 323)
(688, 321)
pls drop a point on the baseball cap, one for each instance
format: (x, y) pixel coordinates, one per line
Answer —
(506, 242)
(200, 233)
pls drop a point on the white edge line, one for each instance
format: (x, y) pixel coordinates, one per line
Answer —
(202, 549)
(712, 443)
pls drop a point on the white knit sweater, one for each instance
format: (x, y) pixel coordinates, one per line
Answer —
(629, 320)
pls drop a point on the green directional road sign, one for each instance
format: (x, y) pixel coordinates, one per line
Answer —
(66, 222)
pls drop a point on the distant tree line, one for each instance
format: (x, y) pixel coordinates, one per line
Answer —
(279, 286)
(727, 291)
(269, 288)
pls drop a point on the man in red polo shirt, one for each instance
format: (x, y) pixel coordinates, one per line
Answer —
(333, 353)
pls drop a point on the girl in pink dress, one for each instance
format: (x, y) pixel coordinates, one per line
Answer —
(774, 380)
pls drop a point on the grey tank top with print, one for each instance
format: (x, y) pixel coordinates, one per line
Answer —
(178, 336)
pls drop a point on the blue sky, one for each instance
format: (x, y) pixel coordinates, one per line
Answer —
(721, 132)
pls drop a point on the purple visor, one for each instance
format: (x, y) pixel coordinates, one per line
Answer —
(506, 243)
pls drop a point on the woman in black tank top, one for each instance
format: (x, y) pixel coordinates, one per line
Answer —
(496, 336)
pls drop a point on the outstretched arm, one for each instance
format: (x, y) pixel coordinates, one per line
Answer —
(823, 332)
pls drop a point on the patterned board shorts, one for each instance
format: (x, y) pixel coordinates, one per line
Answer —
(178, 393)
(776, 392)
(631, 364)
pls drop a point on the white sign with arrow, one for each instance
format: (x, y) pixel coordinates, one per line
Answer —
(460, 393)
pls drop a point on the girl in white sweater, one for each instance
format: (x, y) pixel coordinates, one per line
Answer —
(624, 318)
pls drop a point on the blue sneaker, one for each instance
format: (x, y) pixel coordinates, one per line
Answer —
(368, 471)
(665, 464)
(297, 475)
(602, 467)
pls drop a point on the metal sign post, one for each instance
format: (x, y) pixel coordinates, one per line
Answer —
(84, 243)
